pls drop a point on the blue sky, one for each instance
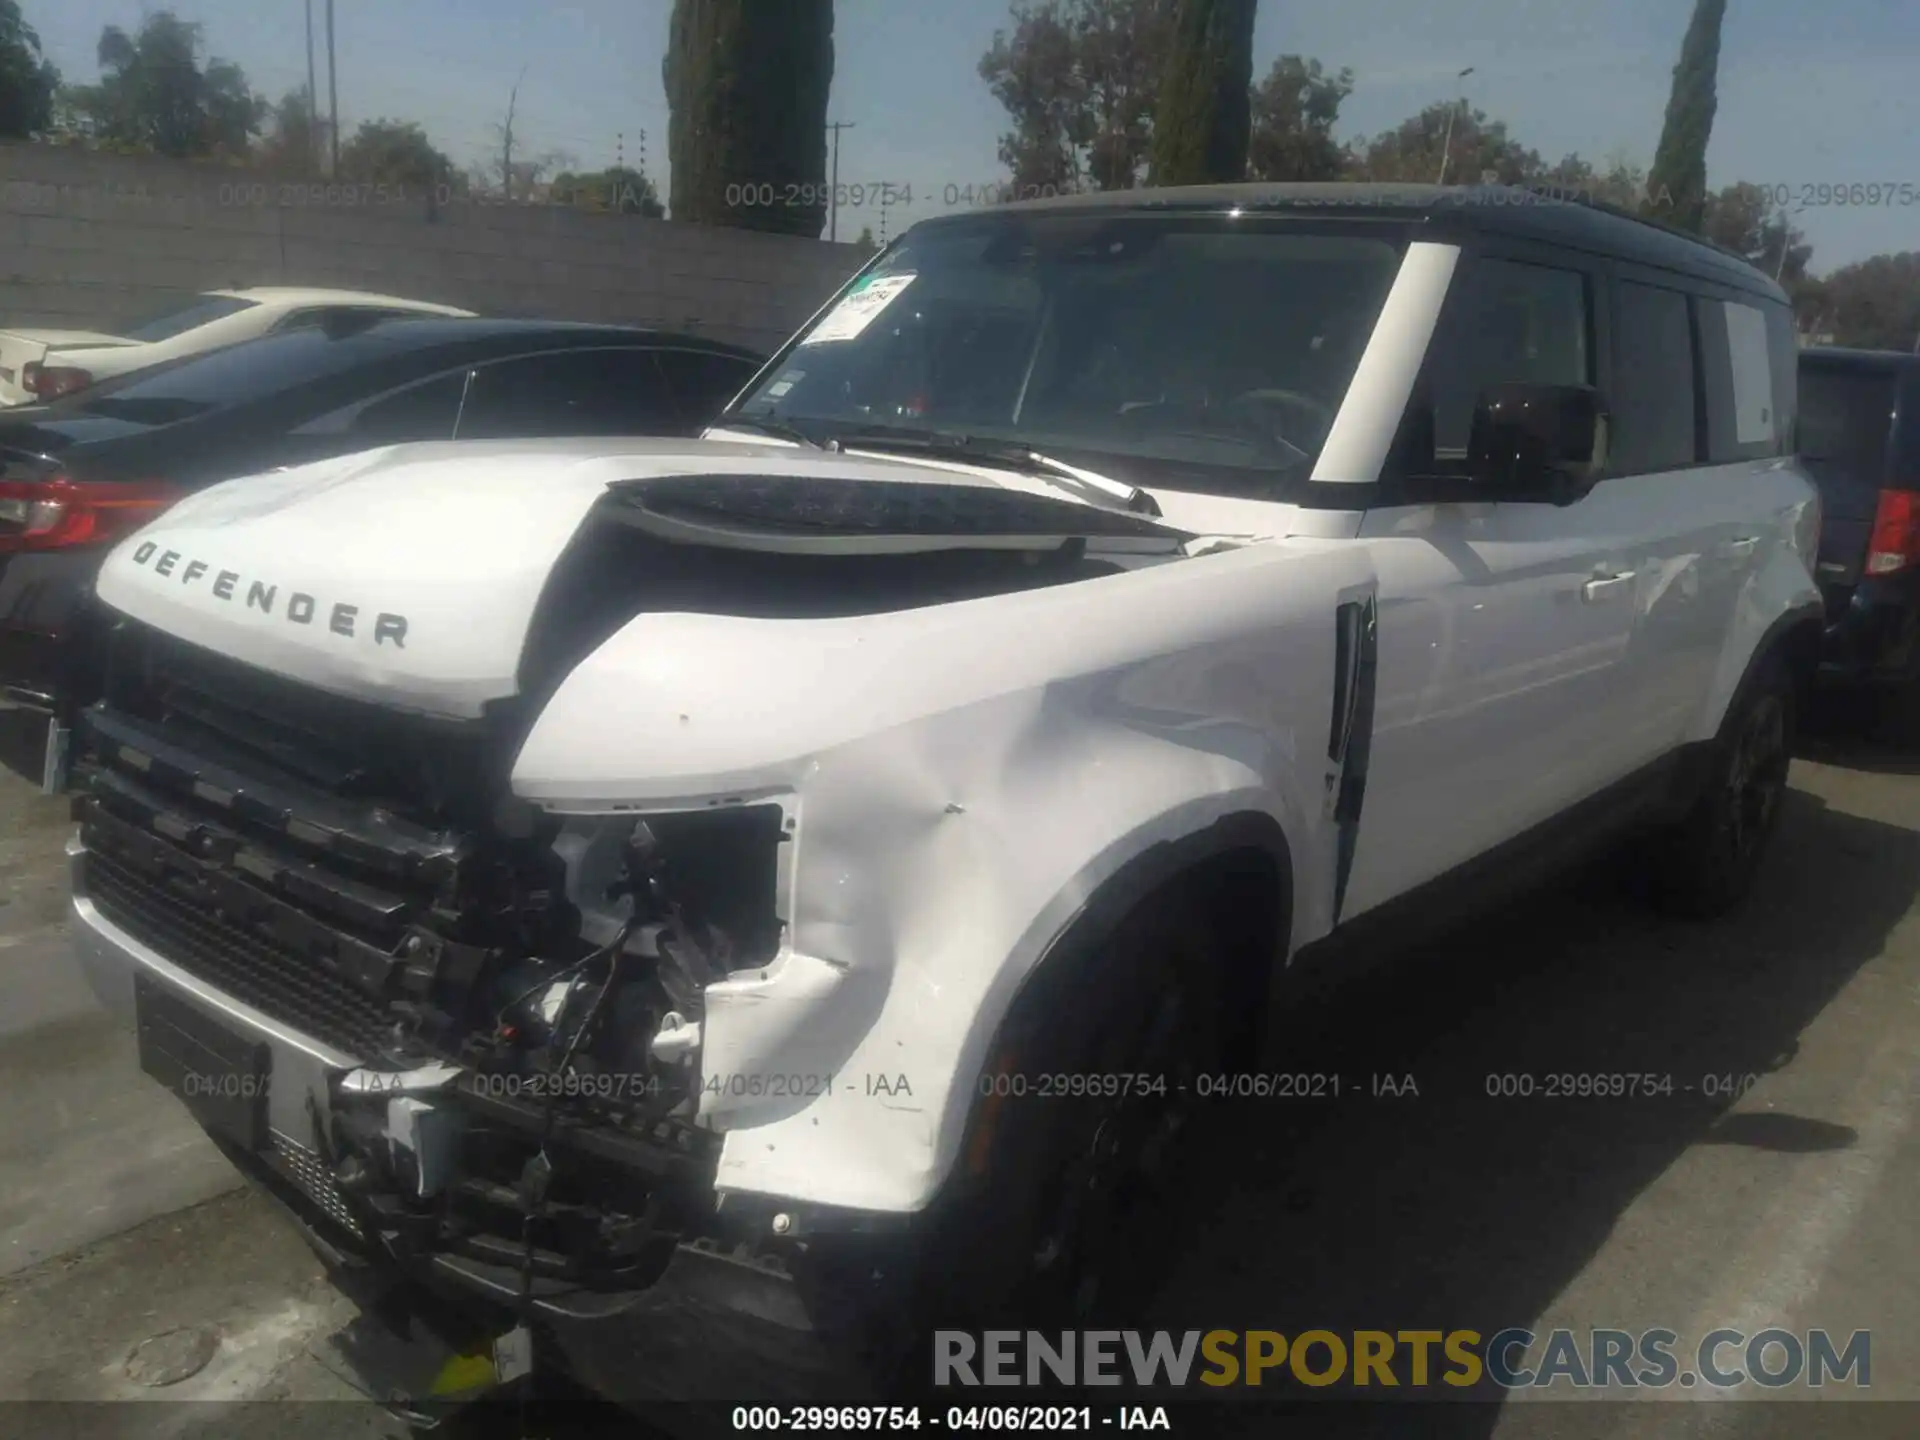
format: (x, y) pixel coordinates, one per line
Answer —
(1809, 93)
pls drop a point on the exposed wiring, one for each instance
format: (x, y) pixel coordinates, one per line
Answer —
(539, 1170)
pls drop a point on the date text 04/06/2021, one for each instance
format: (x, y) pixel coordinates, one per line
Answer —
(961, 1419)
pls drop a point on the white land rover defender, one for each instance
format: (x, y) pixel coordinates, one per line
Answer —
(732, 903)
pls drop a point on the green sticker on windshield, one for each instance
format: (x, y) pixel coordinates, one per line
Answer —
(858, 307)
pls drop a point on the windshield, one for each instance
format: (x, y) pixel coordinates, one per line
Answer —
(1189, 353)
(177, 319)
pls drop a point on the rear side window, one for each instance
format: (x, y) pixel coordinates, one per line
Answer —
(1743, 418)
(1653, 381)
(574, 392)
(251, 370)
(425, 411)
(702, 381)
(177, 319)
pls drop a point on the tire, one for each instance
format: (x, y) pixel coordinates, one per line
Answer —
(1704, 866)
(1070, 1203)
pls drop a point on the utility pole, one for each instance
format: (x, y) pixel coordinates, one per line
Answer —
(333, 100)
(313, 98)
(506, 137)
(833, 201)
(1446, 145)
(1786, 238)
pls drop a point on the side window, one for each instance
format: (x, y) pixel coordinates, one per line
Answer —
(1653, 387)
(298, 320)
(419, 412)
(577, 392)
(1743, 421)
(1505, 322)
(702, 382)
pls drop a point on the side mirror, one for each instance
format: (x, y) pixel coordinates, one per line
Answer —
(1540, 443)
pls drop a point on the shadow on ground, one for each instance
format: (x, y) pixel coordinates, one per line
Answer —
(1455, 1209)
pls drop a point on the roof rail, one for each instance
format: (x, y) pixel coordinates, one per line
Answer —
(1578, 195)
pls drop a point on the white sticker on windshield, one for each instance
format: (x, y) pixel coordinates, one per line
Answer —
(855, 312)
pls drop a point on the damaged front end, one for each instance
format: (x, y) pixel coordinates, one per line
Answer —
(474, 1027)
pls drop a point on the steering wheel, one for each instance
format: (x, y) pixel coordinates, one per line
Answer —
(1318, 410)
(1169, 417)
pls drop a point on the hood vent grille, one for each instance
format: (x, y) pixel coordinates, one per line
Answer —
(820, 506)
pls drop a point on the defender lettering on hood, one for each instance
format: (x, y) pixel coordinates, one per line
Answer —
(341, 618)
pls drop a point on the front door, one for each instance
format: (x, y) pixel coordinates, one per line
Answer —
(1505, 629)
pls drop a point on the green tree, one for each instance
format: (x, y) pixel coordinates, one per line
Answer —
(1744, 218)
(865, 239)
(153, 94)
(1079, 80)
(394, 152)
(1294, 111)
(1679, 177)
(28, 80)
(1478, 150)
(747, 87)
(1873, 304)
(1201, 125)
(294, 138)
(618, 189)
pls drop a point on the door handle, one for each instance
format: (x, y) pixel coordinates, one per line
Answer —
(1602, 586)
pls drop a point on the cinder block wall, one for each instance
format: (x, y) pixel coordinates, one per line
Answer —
(86, 239)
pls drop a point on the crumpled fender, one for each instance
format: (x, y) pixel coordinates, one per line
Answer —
(964, 778)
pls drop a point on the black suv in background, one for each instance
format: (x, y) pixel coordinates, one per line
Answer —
(77, 475)
(1860, 441)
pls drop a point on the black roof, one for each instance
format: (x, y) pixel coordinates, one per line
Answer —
(1549, 214)
(421, 332)
(1840, 357)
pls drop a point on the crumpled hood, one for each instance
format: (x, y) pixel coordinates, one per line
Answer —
(408, 575)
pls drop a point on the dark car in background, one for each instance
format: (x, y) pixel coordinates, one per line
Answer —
(77, 475)
(1860, 441)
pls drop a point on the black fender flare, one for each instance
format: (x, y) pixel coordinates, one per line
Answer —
(1095, 924)
(1808, 619)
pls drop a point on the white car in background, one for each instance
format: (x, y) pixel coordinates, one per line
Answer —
(41, 365)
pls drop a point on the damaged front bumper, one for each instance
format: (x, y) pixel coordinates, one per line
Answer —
(714, 1318)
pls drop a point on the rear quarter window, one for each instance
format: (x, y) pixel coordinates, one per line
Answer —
(1737, 357)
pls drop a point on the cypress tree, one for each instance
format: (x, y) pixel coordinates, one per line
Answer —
(747, 86)
(1677, 185)
(1202, 122)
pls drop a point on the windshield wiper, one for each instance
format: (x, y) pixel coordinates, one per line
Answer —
(779, 429)
(971, 450)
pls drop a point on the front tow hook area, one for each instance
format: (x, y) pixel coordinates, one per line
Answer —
(438, 1375)
(421, 1372)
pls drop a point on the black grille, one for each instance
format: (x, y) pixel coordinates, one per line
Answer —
(414, 766)
(272, 979)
